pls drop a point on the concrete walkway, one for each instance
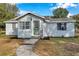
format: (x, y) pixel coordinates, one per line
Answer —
(26, 50)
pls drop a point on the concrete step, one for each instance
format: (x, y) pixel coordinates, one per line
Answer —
(30, 41)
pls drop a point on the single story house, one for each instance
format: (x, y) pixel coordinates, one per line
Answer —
(31, 25)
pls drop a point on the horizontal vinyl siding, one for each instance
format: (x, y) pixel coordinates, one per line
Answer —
(10, 30)
(51, 30)
(24, 33)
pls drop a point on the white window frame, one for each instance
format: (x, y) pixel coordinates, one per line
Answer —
(27, 25)
(23, 25)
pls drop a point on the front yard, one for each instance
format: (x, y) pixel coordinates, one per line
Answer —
(57, 47)
(54, 46)
(8, 45)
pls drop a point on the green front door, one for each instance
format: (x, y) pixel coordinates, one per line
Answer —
(36, 27)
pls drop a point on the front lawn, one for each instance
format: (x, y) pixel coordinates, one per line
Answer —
(8, 45)
(57, 47)
(54, 46)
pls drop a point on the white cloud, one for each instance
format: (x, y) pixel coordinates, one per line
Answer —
(63, 5)
(57, 6)
(66, 5)
(69, 15)
(22, 12)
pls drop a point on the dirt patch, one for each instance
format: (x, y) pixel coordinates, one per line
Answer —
(8, 46)
(72, 47)
(56, 48)
(45, 49)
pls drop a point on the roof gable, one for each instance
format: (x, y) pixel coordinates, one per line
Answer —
(17, 18)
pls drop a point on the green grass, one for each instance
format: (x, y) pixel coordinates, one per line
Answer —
(2, 34)
(70, 39)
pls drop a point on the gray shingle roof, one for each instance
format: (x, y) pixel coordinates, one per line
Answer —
(45, 18)
(51, 19)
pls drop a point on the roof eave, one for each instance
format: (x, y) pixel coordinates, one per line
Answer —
(10, 21)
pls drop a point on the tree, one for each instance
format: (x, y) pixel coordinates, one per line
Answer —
(11, 8)
(60, 13)
(7, 11)
(76, 17)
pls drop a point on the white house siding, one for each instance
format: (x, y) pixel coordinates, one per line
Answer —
(10, 30)
(24, 33)
(27, 33)
(50, 29)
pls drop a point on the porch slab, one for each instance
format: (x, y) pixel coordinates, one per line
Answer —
(30, 41)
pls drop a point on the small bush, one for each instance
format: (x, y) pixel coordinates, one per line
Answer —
(46, 38)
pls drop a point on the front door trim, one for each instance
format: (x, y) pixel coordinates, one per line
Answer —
(33, 28)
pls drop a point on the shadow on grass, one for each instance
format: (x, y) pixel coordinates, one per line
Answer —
(48, 38)
(12, 37)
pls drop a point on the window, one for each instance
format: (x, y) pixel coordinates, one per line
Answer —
(36, 24)
(21, 25)
(14, 26)
(25, 25)
(36, 27)
(61, 26)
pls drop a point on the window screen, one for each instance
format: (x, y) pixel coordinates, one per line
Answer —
(61, 26)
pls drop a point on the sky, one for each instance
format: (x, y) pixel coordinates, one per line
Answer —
(46, 9)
